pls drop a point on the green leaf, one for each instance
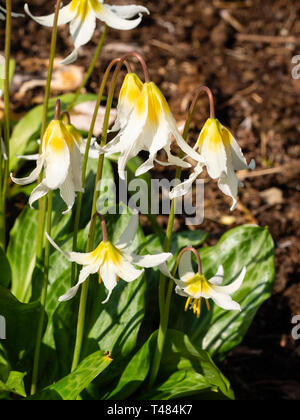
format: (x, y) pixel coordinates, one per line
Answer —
(218, 331)
(72, 385)
(113, 326)
(21, 326)
(5, 270)
(14, 384)
(185, 371)
(26, 133)
(21, 252)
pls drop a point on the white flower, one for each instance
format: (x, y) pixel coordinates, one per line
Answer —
(82, 16)
(112, 261)
(3, 13)
(222, 156)
(149, 127)
(61, 159)
(130, 91)
(195, 286)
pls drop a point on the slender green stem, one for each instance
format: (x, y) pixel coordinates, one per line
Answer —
(85, 286)
(164, 302)
(85, 161)
(90, 69)
(6, 125)
(42, 201)
(42, 299)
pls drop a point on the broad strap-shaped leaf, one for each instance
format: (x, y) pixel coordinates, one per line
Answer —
(185, 371)
(14, 384)
(70, 387)
(21, 252)
(21, 326)
(218, 331)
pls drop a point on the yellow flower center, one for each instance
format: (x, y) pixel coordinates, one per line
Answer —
(82, 8)
(131, 89)
(56, 136)
(195, 286)
(108, 254)
(152, 101)
(215, 134)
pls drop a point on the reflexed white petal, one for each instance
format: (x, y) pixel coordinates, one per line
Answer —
(163, 268)
(67, 255)
(181, 142)
(185, 187)
(173, 160)
(252, 164)
(238, 160)
(32, 177)
(148, 261)
(128, 12)
(67, 192)
(126, 271)
(65, 16)
(107, 15)
(70, 59)
(228, 184)
(180, 292)
(57, 163)
(224, 301)
(84, 274)
(129, 233)
(76, 168)
(83, 258)
(234, 286)
(40, 191)
(94, 150)
(82, 30)
(109, 278)
(215, 158)
(29, 157)
(218, 278)
(185, 268)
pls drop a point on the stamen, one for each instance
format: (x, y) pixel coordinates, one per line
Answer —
(195, 306)
(100, 278)
(207, 304)
(187, 304)
(199, 308)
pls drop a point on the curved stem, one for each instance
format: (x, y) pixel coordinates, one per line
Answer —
(210, 97)
(42, 300)
(6, 125)
(90, 69)
(85, 286)
(163, 307)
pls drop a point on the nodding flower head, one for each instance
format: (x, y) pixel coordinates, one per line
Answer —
(112, 261)
(149, 127)
(61, 160)
(82, 16)
(222, 156)
(196, 286)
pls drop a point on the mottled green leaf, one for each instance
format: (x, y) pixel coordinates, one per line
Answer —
(218, 331)
(72, 385)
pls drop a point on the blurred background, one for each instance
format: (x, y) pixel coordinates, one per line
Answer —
(243, 51)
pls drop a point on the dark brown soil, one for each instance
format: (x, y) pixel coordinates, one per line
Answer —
(187, 43)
